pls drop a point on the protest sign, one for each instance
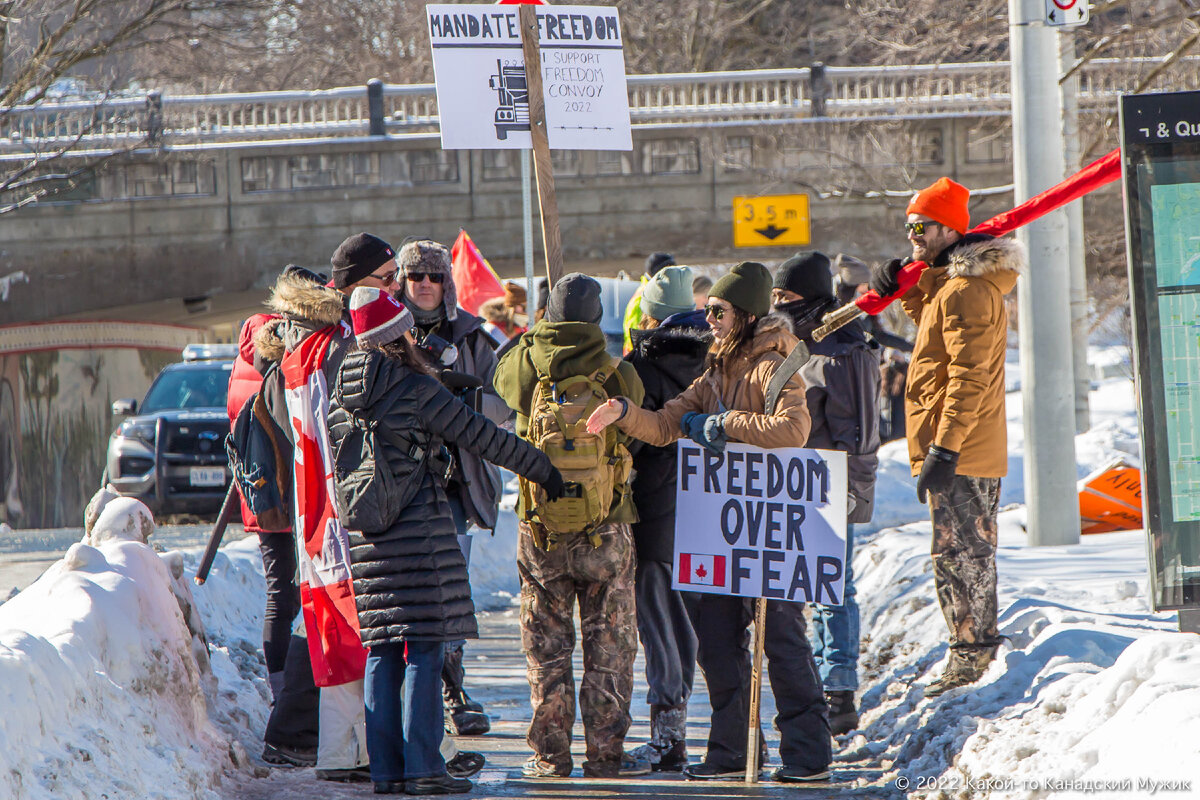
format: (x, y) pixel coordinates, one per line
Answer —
(765, 523)
(482, 92)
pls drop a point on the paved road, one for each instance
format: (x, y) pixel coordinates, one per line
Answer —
(496, 677)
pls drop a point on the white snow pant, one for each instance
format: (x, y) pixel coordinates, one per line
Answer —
(342, 740)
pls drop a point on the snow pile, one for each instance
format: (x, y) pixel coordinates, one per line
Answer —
(103, 694)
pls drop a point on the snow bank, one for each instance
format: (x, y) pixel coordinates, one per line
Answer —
(102, 681)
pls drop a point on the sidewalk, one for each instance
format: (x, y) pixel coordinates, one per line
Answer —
(496, 677)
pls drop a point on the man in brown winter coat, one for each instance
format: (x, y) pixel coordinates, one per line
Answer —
(954, 406)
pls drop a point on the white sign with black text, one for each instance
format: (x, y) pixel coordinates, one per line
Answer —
(479, 69)
(753, 522)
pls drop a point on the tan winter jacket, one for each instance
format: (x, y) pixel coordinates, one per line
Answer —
(740, 389)
(955, 392)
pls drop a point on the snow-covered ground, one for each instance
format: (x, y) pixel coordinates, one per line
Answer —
(105, 690)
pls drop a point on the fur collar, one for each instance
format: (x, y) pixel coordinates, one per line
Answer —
(661, 342)
(268, 341)
(298, 298)
(974, 258)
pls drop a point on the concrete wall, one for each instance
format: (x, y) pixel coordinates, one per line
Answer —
(214, 221)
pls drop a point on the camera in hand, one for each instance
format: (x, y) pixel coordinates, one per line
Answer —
(442, 351)
(467, 387)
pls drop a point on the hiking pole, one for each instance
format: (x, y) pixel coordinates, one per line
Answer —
(218, 532)
(760, 638)
(1103, 170)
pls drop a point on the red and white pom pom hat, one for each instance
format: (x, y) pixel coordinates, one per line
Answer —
(378, 318)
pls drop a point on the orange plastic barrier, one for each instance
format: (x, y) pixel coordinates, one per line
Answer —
(1110, 499)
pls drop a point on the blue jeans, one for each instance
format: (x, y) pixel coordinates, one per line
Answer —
(403, 690)
(836, 633)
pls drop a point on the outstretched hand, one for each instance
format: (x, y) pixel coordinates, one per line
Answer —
(604, 416)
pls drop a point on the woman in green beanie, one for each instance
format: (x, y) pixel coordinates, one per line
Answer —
(726, 404)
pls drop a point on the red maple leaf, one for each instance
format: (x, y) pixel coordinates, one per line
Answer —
(701, 571)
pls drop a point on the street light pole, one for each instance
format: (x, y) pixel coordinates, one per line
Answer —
(1044, 293)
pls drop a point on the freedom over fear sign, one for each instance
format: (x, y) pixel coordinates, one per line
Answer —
(479, 69)
(761, 523)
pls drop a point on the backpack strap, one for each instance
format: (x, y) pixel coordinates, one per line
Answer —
(783, 373)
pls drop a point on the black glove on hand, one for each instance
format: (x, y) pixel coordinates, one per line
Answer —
(937, 472)
(553, 485)
(883, 277)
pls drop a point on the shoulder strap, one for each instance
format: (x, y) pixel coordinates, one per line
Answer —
(783, 373)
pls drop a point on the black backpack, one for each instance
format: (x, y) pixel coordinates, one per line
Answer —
(369, 493)
(261, 461)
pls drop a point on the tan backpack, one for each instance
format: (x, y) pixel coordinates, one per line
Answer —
(595, 467)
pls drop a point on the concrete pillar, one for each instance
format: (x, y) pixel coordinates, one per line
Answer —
(1044, 294)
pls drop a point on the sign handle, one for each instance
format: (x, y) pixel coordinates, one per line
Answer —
(760, 639)
(542, 165)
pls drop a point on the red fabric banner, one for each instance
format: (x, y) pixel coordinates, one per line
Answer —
(323, 544)
(1100, 172)
(474, 279)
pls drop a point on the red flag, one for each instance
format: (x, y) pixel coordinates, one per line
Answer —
(701, 569)
(323, 547)
(474, 279)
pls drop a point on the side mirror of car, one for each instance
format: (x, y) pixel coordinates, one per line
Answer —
(125, 407)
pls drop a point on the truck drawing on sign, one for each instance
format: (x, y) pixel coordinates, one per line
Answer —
(513, 112)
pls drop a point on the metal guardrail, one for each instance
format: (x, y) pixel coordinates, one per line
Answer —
(822, 92)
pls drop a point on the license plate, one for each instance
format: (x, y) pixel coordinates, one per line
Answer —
(208, 476)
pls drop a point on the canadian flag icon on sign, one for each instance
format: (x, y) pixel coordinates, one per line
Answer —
(702, 570)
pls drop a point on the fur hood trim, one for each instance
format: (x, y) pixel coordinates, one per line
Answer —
(299, 298)
(660, 342)
(974, 259)
(268, 341)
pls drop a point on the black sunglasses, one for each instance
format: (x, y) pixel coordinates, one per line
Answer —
(716, 311)
(386, 279)
(918, 228)
(417, 277)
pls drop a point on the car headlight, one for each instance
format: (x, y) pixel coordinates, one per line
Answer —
(138, 429)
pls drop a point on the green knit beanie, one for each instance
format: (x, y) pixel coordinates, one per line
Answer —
(747, 286)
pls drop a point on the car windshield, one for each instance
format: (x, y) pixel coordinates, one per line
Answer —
(195, 387)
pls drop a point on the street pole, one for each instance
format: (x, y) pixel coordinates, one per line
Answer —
(1044, 293)
(1077, 252)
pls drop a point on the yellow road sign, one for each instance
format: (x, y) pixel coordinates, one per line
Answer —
(776, 219)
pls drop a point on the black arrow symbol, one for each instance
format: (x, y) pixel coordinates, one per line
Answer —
(1052, 16)
(771, 232)
(1081, 13)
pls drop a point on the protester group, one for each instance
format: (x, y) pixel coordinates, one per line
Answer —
(393, 409)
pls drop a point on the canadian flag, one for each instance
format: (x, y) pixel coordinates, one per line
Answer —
(701, 569)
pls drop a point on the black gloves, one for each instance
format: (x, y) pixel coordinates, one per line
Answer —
(883, 277)
(553, 485)
(937, 472)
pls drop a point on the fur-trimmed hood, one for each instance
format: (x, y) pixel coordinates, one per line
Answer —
(978, 256)
(772, 332)
(268, 341)
(661, 342)
(301, 299)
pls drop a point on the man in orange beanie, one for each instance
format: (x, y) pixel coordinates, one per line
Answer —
(954, 409)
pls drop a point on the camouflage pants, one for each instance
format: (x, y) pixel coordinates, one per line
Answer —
(602, 579)
(964, 558)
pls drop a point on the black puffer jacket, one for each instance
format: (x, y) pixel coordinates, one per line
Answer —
(410, 582)
(841, 382)
(667, 359)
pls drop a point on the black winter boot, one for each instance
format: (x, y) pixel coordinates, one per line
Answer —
(667, 749)
(464, 716)
(843, 716)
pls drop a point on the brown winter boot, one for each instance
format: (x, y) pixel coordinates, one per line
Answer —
(667, 749)
(967, 665)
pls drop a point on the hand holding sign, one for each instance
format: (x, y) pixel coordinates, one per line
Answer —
(605, 415)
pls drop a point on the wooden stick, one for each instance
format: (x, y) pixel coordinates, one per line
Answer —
(542, 165)
(760, 639)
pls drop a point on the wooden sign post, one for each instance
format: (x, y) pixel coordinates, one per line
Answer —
(760, 639)
(543, 166)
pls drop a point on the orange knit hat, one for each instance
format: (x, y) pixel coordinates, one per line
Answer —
(945, 202)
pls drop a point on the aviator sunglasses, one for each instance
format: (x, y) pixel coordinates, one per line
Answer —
(417, 277)
(716, 311)
(918, 228)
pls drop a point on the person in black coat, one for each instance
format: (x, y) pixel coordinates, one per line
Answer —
(841, 382)
(668, 354)
(411, 586)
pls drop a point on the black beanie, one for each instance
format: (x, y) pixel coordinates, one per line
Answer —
(357, 257)
(747, 286)
(808, 274)
(297, 271)
(543, 297)
(656, 261)
(575, 298)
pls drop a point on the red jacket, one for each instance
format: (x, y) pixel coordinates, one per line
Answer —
(244, 381)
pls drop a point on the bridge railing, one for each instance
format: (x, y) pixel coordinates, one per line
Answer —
(748, 95)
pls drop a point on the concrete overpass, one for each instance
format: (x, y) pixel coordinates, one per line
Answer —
(192, 229)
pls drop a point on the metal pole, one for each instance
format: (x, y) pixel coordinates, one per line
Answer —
(1077, 254)
(527, 230)
(1047, 383)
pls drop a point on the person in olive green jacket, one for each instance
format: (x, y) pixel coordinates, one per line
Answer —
(598, 569)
